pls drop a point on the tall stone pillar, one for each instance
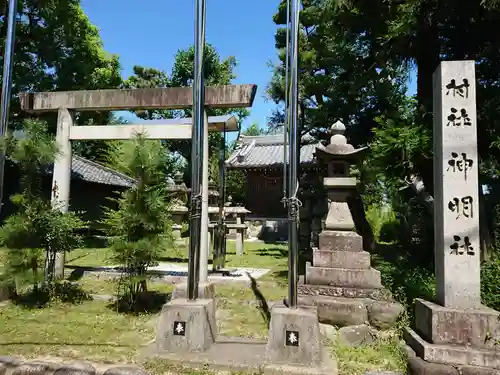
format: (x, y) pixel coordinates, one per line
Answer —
(61, 176)
(455, 331)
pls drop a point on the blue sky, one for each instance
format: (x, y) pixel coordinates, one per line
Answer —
(150, 32)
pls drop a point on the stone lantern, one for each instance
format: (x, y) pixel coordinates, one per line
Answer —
(178, 210)
(338, 157)
(340, 281)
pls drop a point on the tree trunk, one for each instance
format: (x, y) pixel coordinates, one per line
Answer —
(427, 59)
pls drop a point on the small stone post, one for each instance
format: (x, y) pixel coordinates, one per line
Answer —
(457, 330)
(239, 237)
(178, 210)
(61, 177)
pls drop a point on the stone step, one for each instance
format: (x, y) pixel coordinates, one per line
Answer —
(343, 277)
(341, 259)
(334, 240)
(337, 311)
(338, 291)
(444, 325)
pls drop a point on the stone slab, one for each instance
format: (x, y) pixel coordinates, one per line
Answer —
(417, 366)
(186, 326)
(340, 241)
(337, 311)
(343, 277)
(354, 311)
(443, 325)
(341, 259)
(452, 354)
(236, 354)
(337, 291)
(294, 337)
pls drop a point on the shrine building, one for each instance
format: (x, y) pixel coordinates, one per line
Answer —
(261, 160)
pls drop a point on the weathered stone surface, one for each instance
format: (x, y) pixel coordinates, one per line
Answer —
(126, 370)
(328, 331)
(230, 96)
(452, 354)
(338, 311)
(339, 215)
(336, 291)
(356, 335)
(76, 368)
(341, 259)
(343, 277)
(417, 366)
(308, 352)
(3, 369)
(456, 214)
(474, 370)
(442, 325)
(383, 373)
(340, 241)
(34, 368)
(198, 317)
(10, 361)
(383, 314)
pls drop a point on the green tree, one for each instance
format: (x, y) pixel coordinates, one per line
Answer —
(122, 153)
(217, 72)
(57, 48)
(254, 129)
(141, 227)
(37, 232)
(354, 61)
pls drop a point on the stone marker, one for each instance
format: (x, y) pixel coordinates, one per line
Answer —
(456, 212)
(458, 330)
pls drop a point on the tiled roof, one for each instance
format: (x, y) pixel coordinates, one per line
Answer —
(91, 171)
(265, 151)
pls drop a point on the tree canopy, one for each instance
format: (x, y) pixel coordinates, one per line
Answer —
(58, 48)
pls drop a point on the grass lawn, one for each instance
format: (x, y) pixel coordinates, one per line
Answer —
(94, 330)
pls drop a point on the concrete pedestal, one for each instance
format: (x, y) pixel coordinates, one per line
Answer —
(455, 336)
(206, 290)
(294, 337)
(186, 326)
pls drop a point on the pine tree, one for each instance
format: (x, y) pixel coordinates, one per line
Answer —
(140, 228)
(36, 232)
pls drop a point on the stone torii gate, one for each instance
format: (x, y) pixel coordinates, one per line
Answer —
(68, 102)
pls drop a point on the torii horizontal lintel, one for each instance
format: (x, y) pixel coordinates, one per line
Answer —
(158, 129)
(230, 96)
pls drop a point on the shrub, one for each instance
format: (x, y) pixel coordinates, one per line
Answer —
(141, 227)
(37, 231)
(490, 283)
